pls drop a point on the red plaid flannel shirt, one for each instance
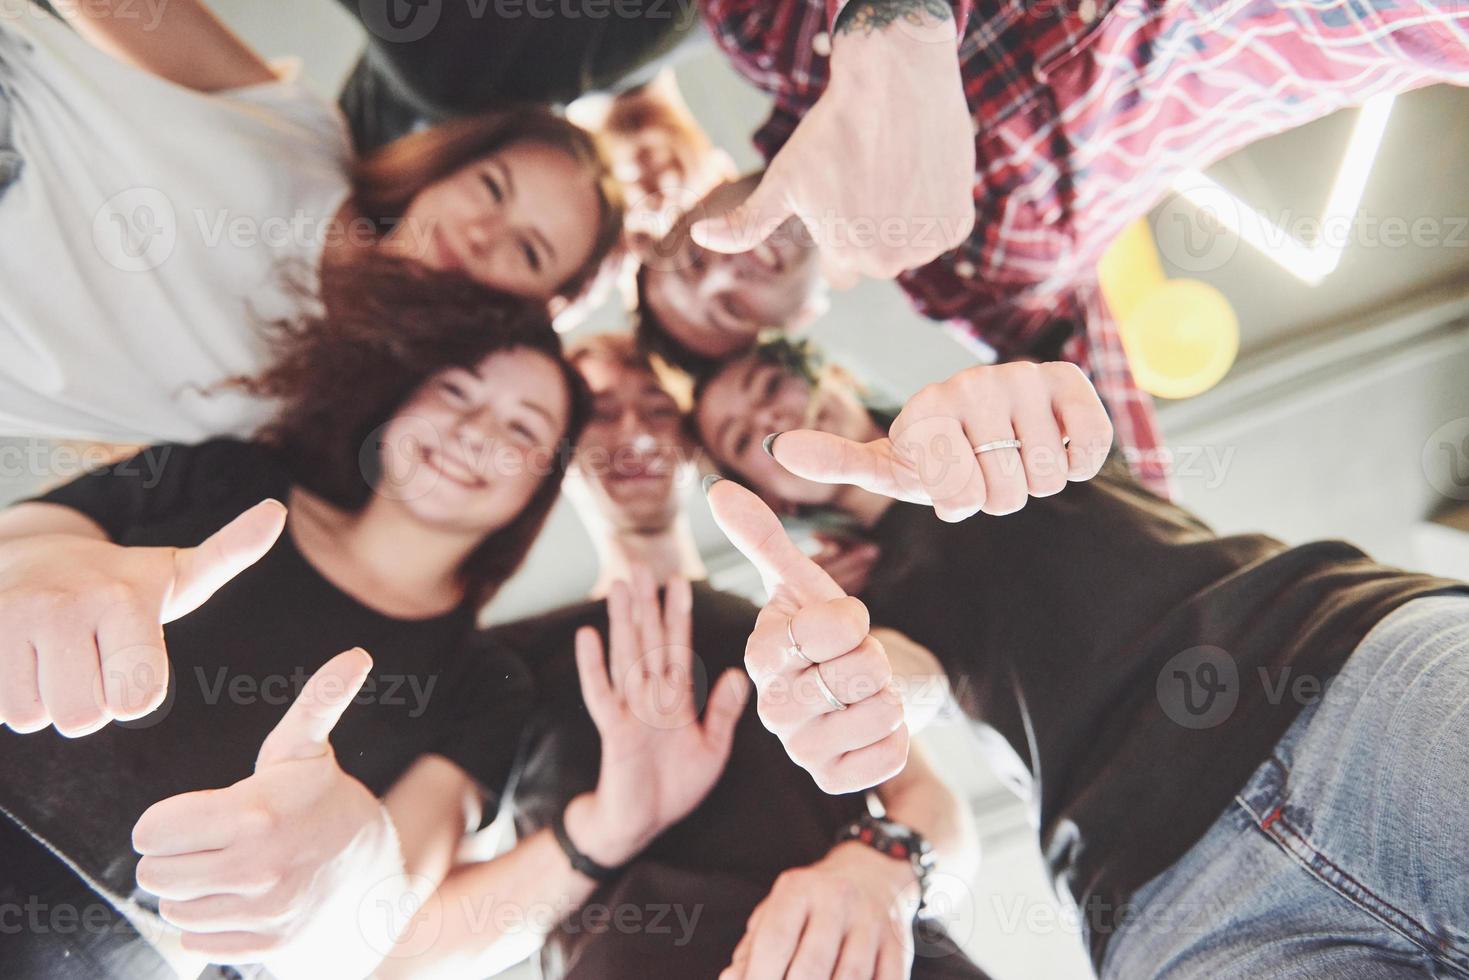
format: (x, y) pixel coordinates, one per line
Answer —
(1084, 113)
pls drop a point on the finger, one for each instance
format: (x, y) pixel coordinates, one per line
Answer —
(859, 953)
(827, 630)
(134, 662)
(820, 945)
(834, 735)
(304, 731)
(596, 687)
(1003, 471)
(199, 821)
(648, 618)
(202, 571)
(222, 913)
(622, 635)
(755, 530)
(69, 677)
(739, 963)
(827, 458)
(858, 675)
(740, 229)
(185, 877)
(21, 706)
(866, 767)
(1082, 418)
(678, 628)
(227, 948)
(894, 959)
(776, 936)
(722, 714)
(940, 456)
(1041, 451)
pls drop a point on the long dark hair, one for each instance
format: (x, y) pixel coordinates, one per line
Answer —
(342, 371)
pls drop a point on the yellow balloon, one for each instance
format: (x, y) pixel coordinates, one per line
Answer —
(1130, 269)
(1181, 338)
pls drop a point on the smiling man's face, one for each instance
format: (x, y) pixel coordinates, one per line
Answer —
(631, 450)
(715, 304)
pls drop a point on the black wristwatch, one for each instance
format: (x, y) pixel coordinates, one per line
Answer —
(897, 841)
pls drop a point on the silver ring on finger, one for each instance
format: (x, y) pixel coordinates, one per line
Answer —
(998, 444)
(837, 704)
(794, 650)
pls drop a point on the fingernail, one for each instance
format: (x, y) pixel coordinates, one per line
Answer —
(710, 480)
(768, 444)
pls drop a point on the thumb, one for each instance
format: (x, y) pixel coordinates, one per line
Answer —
(722, 713)
(827, 458)
(202, 571)
(308, 723)
(741, 229)
(755, 530)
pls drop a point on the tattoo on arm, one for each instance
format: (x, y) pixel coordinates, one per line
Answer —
(870, 16)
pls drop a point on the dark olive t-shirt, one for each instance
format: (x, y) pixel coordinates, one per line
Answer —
(765, 815)
(238, 662)
(1141, 666)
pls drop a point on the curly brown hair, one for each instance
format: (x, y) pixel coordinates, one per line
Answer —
(387, 179)
(383, 327)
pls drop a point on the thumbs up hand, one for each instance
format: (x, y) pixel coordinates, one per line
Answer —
(823, 684)
(273, 869)
(81, 620)
(987, 439)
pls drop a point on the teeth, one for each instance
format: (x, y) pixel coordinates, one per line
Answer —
(765, 252)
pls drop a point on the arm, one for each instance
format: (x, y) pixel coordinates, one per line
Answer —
(894, 114)
(184, 42)
(918, 798)
(917, 676)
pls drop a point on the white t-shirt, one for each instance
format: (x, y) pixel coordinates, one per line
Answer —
(145, 236)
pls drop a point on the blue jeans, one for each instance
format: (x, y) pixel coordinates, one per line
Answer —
(1346, 856)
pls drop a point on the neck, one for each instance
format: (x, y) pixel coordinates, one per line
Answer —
(666, 552)
(370, 547)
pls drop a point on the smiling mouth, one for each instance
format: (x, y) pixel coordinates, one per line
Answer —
(451, 469)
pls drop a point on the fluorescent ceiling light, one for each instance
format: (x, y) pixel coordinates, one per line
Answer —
(1309, 263)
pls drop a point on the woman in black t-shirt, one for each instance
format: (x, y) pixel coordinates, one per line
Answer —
(1144, 671)
(417, 455)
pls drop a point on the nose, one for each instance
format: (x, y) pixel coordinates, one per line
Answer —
(482, 232)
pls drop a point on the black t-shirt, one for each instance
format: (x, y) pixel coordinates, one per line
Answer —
(238, 662)
(1105, 633)
(765, 815)
(458, 57)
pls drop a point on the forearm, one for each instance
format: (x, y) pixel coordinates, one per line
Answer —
(35, 520)
(489, 915)
(918, 798)
(917, 675)
(180, 40)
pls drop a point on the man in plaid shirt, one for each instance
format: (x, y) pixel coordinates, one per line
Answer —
(1076, 115)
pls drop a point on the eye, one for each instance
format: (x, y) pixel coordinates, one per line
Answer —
(772, 384)
(741, 443)
(453, 389)
(532, 258)
(522, 432)
(493, 186)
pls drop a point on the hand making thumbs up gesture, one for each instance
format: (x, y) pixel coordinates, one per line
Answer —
(823, 683)
(274, 868)
(81, 619)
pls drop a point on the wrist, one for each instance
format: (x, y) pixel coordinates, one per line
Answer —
(875, 33)
(884, 875)
(598, 834)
